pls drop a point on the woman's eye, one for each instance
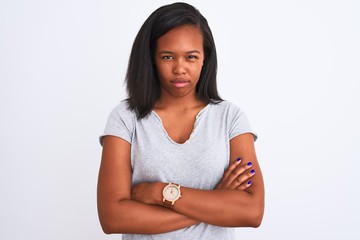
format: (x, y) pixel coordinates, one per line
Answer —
(192, 57)
(167, 57)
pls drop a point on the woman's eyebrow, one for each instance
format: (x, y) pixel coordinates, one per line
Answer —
(193, 51)
(170, 52)
(166, 52)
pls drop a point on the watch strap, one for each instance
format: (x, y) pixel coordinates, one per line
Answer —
(168, 203)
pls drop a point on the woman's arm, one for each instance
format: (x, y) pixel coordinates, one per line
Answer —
(117, 212)
(222, 207)
(229, 208)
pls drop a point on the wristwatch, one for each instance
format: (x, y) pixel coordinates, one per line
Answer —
(171, 193)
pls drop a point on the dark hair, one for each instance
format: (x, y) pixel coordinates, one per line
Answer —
(142, 83)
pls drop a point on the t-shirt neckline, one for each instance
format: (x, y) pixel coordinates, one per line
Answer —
(197, 118)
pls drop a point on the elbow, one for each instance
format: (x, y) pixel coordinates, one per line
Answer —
(107, 230)
(251, 219)
(256, 223)
(105, 221)
(256, 219)
(112, 220)
(110, 225)
(107, 227)
(257, 213)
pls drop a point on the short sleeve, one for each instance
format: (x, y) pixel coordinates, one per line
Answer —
(239, 123)
(120, 123)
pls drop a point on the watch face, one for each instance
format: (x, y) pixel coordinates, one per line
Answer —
(171, 193)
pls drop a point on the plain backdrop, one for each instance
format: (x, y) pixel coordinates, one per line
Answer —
(293, 66)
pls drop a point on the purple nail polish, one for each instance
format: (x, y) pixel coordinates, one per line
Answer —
(252, 171)
(238, 159)
(249, 182)
(249, 164)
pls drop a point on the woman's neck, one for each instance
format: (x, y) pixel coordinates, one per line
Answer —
(179, 104)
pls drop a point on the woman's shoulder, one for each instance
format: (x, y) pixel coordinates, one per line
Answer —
(227, 109)
(123, 111)
(123, 107)
(121, 122)
(225, 105)
(236, 118)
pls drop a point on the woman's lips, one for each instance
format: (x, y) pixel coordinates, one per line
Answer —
(179, 83)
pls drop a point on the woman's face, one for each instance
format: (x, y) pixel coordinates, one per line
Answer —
(179, 57)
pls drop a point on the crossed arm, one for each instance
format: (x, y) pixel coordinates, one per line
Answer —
(139, 209)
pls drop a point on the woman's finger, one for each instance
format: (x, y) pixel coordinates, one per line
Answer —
(244, 186)
(241, 179)
(236, 177)
(231, 168)
(224, 181)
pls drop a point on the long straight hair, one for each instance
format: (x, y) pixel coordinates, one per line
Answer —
(142, 81)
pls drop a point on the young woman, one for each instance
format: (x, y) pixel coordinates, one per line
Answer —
(178, 161)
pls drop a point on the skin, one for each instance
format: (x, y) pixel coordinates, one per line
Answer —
(234, 202)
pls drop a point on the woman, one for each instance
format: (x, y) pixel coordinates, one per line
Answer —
(178, 161)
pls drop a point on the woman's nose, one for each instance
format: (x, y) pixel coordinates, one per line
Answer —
(179, 67)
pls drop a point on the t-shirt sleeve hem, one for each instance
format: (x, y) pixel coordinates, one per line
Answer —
(122, 137)
(239, 133)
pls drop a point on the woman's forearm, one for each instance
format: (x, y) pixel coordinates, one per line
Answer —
(128, 216)
(229, 208)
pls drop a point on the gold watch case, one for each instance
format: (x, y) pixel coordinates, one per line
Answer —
(171, 193)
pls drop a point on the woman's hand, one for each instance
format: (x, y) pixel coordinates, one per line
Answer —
(237, 176)
(149, 193)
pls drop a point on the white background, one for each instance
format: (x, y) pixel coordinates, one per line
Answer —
(293, 66)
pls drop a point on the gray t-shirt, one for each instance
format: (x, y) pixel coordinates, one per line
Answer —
(199, 163)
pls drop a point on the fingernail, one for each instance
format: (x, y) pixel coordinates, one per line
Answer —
(252, 171)
(249, 182)
(249, 164)
(238, 159)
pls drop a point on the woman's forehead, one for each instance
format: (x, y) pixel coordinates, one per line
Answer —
(184, 38)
